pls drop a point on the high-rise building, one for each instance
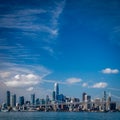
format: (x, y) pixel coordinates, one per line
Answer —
(104, 101)
(83, 96)
(37, 101)
(32, 99)
(21, 100)
(56, 89)
(87, 98)
(13, 100)
(53, 96)
(109, 98)
(47, 99)
(8, 98)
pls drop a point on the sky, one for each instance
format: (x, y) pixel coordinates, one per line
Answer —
(75, 43)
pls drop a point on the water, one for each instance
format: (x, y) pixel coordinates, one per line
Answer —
(58, 116)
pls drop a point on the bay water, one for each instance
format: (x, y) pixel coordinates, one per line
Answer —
(59, 116)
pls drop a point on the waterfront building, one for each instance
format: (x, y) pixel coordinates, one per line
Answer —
(37, 101)
(67, 99)
(87, 98)
(61, 98)
(75, 100)
(113, 106)
(33, 99)
(56, 89)
(108, 102)
(27, 102)
(83, 96)
(13, 100)
(21, 100)
(53, 96)
(42, 101)
(97, 103)
(4, 106)
(47, 99)
(8, 98)
(104, 101)
(87, 102)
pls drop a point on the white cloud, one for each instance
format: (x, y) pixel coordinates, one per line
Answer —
(110, 71)
(85, 85)
(73, 80)
(23, 80)
(17, 76)
(14, 75)
(4, 74)
(100, 85)
(30, 89)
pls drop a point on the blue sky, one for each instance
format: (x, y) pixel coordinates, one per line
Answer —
(75, 43)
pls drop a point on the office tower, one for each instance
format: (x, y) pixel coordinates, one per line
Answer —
(109, 98)
(56, 89)
(47, 99)
(87, 98)
(61, 98)
(42, 101)
(32, 99)
(21, 100)
(37, 101)
(87, 102)
(113, 106)
(104, 101)
(8, 98)
(13, 100)
(83, 96)
(53, 96)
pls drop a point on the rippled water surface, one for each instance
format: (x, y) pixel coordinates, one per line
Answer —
(58, 116)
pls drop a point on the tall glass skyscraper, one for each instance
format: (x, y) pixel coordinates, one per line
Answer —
(56, 89)
(13, 100)
(53, 96)
(32, 99)
(8, 98)
(83, 96)
(21, 100)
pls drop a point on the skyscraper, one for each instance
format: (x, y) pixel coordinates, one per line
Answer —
(104, 101)
(13, 100)
(53, 96)
(83, 96)
(21, 100)
(56, 89)
(8, 98)
(32, 99)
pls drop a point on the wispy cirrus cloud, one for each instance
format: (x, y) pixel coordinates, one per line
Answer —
(29, 19)
(30, 24)
(48, 49)
(114, 89)
(115, 36)
(110, 71)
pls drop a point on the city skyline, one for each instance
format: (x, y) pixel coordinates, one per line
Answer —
(73, 43)
(12, 100)
(59, 102)
(56, 97)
